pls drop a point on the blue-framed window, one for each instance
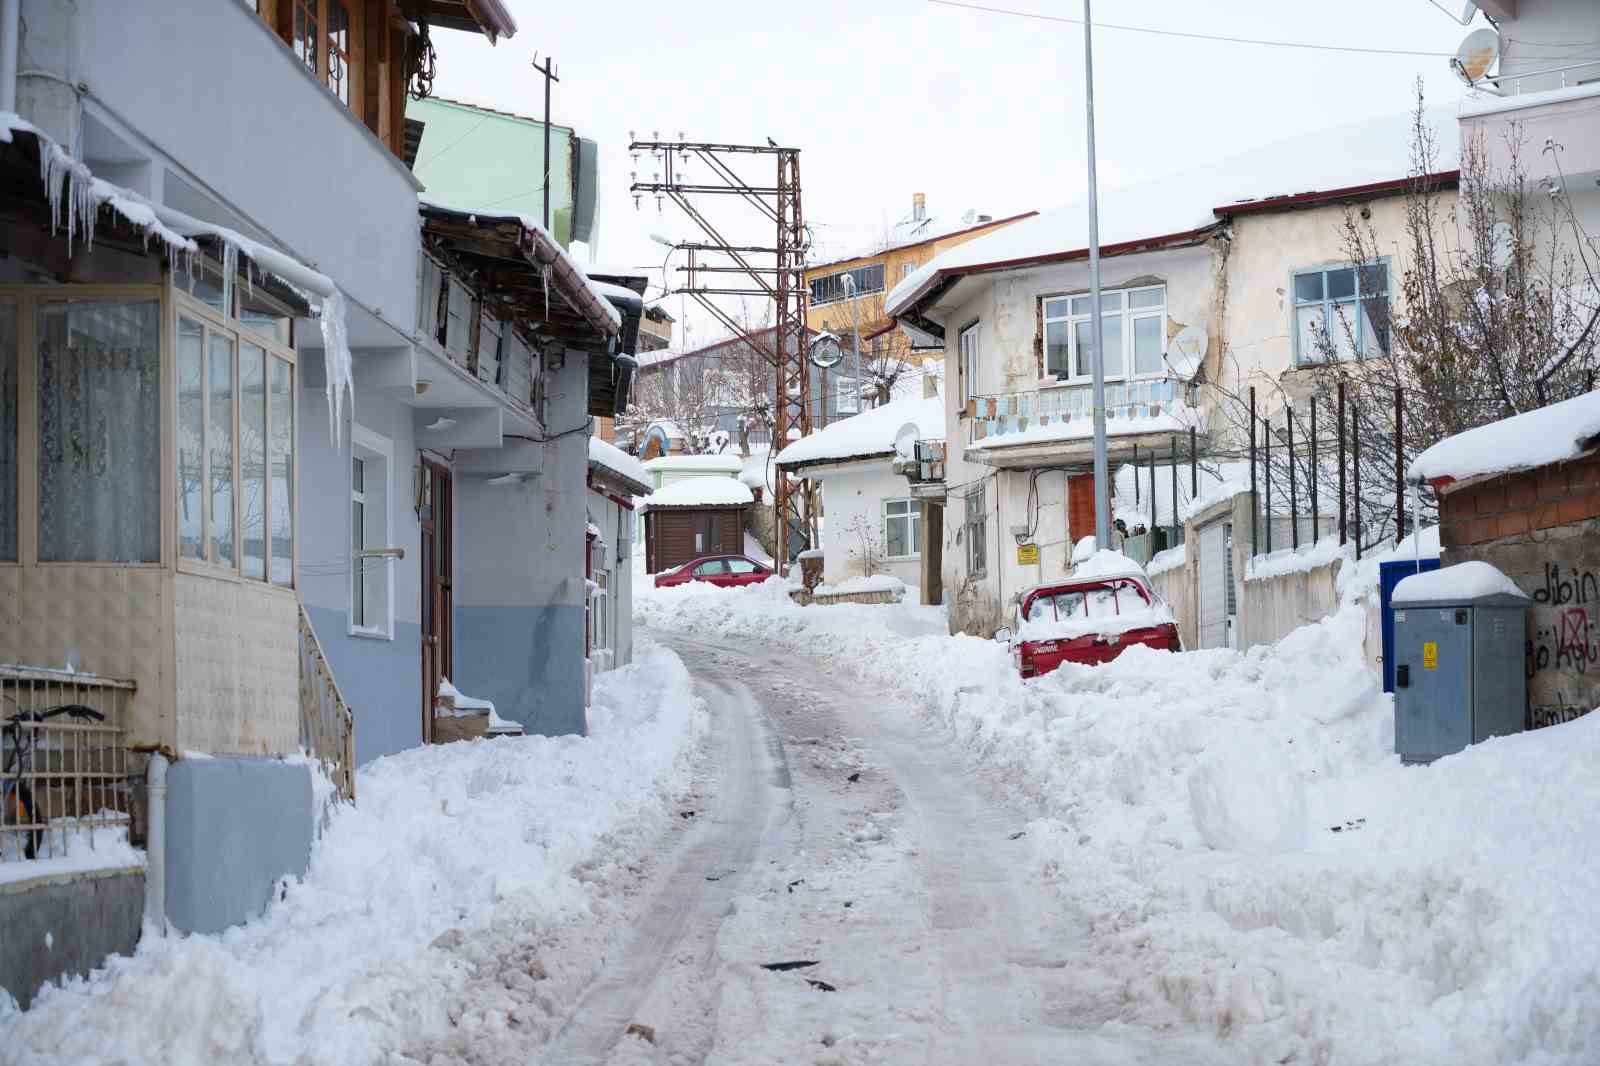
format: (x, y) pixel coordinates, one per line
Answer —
(1341, 312)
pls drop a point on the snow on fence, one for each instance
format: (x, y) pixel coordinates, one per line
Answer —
(327, 726)
(63, 763)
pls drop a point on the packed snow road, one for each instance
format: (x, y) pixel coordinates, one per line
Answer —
(843, 840)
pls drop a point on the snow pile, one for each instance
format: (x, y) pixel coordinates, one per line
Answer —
(1551, 434)
(1088, 563)
(870, 433)
(609, 457)
(700, 492)
(863, 583)
(1302, 560)
(375, 954)
(1169, 559)
(1100, 624)
(757, 471)
(1244, 850)
(1470, 580)
(69, 849)
(700, 464)
(1133, 495)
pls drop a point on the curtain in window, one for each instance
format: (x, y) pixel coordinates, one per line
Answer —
(100, 431)
(8, 432)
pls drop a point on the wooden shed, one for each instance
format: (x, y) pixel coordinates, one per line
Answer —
(694, 517)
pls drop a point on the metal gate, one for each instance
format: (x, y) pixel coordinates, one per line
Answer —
(1215, 581)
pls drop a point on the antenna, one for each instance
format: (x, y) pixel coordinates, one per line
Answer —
(1479, 52)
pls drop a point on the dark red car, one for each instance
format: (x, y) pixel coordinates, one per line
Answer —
(1089, 620)
(724, 570)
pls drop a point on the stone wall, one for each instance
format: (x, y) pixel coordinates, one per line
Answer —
(1541, 528)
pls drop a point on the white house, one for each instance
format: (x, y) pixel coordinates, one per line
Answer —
(873, 524)
(1182, 258)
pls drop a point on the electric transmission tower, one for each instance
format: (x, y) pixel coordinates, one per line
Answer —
(775, 272)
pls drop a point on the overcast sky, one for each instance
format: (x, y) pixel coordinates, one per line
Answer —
(976, 110)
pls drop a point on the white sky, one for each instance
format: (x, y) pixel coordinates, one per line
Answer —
(900, 96)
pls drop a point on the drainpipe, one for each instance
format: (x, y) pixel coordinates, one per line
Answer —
(155, 871)
(10, 34)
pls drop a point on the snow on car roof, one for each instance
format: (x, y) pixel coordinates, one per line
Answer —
(1101, 566)
(867, 434)
(700, 492)
(1339, 158)
(1551, 434)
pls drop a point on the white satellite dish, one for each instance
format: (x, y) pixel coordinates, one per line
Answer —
(1186, 351)
(1477, 54)
(825, 351)
(905, 441)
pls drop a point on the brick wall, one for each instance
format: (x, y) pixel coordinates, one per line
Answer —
(1521, 503)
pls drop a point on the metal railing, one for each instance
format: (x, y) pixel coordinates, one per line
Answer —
(327, 727)
(63, 762)
(925, 464)
(1012, 412)
(1564, 76)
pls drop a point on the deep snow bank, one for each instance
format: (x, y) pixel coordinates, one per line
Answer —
(450, 838)
(1243, 848)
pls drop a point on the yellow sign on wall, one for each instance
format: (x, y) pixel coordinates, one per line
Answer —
(1430, 656)
(1027, 554)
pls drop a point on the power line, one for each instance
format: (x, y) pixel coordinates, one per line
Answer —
(1220, 38)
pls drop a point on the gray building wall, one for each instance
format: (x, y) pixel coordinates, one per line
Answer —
(234, 827)
(66, 926)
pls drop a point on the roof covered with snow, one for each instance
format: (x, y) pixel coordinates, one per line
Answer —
(1462, 583)
(1185, 203)
(1551, 434)
(616, 461)
(868, 434)
(757, 472)
(908, 231)
(724, 463)
(700, 492)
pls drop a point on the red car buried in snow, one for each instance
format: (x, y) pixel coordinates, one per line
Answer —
(1088, 619)
(724, 570)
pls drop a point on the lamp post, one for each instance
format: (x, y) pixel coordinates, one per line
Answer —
(1102, 499)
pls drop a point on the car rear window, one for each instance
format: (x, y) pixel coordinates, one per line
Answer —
(1096, 601)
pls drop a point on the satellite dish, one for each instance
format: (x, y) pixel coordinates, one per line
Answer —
(825, 351)
(1503, 243)
(1477, 54)
(905, 441)
(1185, 352)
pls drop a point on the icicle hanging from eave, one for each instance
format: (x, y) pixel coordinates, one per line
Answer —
(68, 179)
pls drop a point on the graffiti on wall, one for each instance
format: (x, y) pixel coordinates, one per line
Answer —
(1543, 714)
(1575, 585)
(1564, 642)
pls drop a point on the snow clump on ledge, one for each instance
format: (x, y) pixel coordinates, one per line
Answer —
(701, 492)
(1471, 580)
(458, 858)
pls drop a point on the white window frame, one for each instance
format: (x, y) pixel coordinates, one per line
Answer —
(846, 396)
(1072, 317)
(967, 363)
(977, 519)
(1303, 358)
(377, 455)
(912, 516)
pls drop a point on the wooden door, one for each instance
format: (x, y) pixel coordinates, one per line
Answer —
(437, 596)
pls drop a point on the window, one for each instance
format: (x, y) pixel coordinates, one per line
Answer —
(304, 39)
(339, 51)
(1341, 313)
(9, 428)
(741, 566)
(906, 270)
(902, 529)
(235, 439)
(99, 427)
(371, 576)
(1134, 327)
(977, 532)
(832, 287)
(1097, 601)
(967, 371)
(846, 396)
(711, 567)
(600, 614)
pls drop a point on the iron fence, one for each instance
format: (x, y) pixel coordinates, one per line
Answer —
(63, 762)
(327, 726)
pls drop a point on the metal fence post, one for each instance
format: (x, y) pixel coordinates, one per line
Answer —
(1342, 527)
(1399, 470)
(1255, 502)
(1266, 463)
(1316, 512)
(1173, 440)
(1355, 447)
(1136, 475)
(1194, 468)
(1294, 492)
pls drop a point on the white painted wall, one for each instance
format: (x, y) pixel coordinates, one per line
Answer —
(1548, 33)
(853, 496)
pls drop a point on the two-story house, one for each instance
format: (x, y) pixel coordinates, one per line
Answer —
(1200, 294)
(200, 526)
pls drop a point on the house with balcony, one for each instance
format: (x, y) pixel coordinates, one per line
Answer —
(1211, 281)
(204, 539)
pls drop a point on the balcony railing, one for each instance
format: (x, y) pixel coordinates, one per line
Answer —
(327, 727)
(925, 465)
(63, 763)
(1014, 412)
(1544, 79)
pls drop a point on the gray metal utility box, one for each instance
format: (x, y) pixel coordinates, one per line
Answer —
(1459, 652)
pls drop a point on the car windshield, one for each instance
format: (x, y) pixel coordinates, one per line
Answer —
(1099, 600)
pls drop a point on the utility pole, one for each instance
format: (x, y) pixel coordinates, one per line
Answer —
(855, 334)
(549, 72)
(1102, 477)
(783, 282)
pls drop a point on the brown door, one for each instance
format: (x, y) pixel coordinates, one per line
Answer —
(1080, 510)
(436, 587)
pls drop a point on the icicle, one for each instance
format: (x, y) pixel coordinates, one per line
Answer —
(230, 267)
(336, 359)
(544, 276)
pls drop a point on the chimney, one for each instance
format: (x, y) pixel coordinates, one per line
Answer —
(930, 385)
(919, 206)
